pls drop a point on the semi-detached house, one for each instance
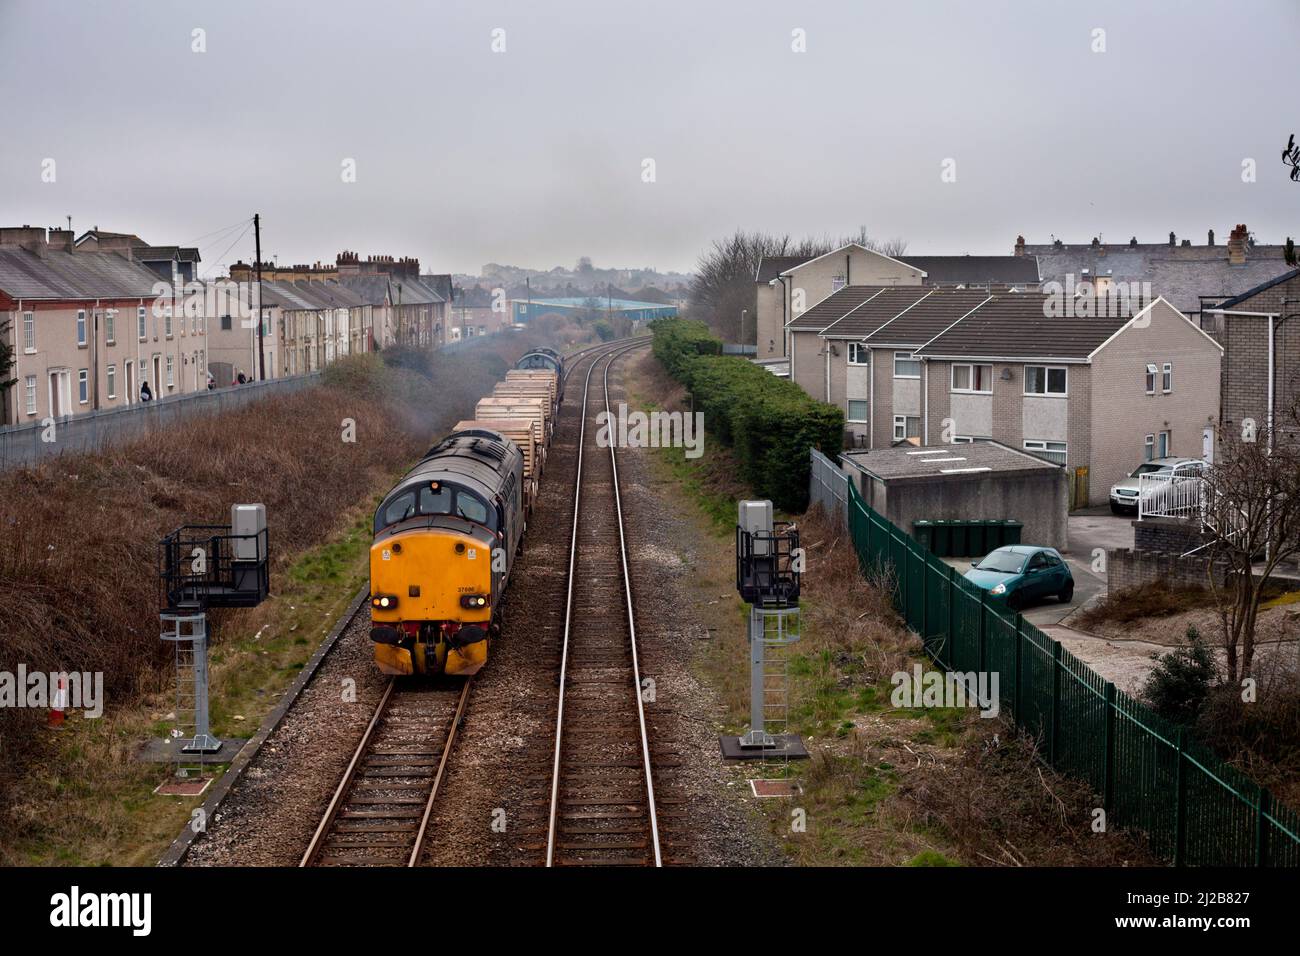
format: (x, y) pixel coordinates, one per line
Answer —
(1097, 395)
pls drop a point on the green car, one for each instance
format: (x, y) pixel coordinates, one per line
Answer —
(1021, 574)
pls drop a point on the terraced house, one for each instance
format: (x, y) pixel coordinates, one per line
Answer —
(1096, 395)
(84, 328)
(787, 286)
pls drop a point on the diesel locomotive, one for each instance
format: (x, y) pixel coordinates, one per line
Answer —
(447, 534)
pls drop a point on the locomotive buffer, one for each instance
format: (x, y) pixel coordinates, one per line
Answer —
(202, 567)
(767, 577)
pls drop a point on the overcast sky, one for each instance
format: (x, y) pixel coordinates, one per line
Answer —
(534, 156)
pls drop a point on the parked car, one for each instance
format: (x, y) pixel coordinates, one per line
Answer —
(1124, 495)
(1021, 573)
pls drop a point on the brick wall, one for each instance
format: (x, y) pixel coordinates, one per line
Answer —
(1166, 534)
(1245, 361)
(1129, 568)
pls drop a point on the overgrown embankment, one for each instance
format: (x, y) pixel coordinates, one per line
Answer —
(769, 422)
(79, 534)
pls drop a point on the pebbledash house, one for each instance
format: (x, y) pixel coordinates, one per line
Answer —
(1094, 393)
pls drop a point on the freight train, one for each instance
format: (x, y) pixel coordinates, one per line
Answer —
(446, 536)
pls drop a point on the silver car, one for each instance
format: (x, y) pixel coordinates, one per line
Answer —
(1124, 495)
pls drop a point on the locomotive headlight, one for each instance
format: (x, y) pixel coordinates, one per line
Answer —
(474, 602)
(385, 602)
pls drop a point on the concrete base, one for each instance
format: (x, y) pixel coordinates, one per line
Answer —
(170, 750)
(180, 787)
(788, 747)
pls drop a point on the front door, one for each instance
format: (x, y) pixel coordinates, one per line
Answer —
(131, 395)
(1207, 444)
(1163, 440)
(157, 377)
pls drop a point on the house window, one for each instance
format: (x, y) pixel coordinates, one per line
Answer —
(1149, 448)
(972, 378)
(110, 326)
(906, 365)
(112, 381)
(171, 368)
(1151, 378)
(140, 327)
(905, 427)
(859, 354)
(83, 387)
(1053, 451)
(225, 323)
(1045, 380)
(31, 394)
(857, 409)
(29, 332)
(167, 321)
(1167, 377)
(838, 282)
(81, 326)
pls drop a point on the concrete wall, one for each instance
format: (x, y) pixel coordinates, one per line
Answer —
(769, 320)
(1038, 499)
(1123, 414)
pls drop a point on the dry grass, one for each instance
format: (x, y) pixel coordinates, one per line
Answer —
(78, 561)
(1131, 605)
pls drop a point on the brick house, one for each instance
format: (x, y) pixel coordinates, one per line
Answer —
(1095, 394)
(1260, 334)
(786, 286)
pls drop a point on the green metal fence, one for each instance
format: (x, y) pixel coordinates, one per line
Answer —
(1150, 775)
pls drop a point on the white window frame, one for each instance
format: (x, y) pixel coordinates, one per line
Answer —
(1149, 448)
(849, 403)
(30, 385)
(838, 282)
(1151, 378)
(1047, 391)
(900, 426)
(907, 357)
(167, 321)
(141, 323)
(859, 354)
(81, 328)
(171, 371)
(83, 386)
(1036, 445)
(29, 332)
(111, 374)
(970, 367)
(110, 326)
(1167, 378)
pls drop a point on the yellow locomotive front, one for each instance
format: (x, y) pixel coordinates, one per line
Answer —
(431, 601)
(444, 538)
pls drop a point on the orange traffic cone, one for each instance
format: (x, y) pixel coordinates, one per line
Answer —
(58, 703)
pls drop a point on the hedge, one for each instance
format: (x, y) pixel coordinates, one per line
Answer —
(769, 422)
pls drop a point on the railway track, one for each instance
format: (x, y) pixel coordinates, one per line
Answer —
(602, 798)
(380, 811)
(379, 814)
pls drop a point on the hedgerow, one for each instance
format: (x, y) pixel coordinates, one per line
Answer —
(770, 422)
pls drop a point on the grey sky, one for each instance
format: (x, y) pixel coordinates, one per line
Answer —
(533, 156)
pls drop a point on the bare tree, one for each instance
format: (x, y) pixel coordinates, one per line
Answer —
(1250, 508)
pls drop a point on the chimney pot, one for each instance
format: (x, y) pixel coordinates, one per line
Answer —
(1211, 239)
(1172, 239)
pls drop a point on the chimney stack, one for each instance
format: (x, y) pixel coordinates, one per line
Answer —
(1172, 239)
(60, 240)
(1237, 245)
(1020, 245)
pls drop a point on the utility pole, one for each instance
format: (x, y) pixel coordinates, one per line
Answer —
(257, 242)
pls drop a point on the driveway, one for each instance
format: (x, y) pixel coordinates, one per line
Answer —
(1092, 532)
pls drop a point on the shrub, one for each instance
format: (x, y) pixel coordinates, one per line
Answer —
(770, 422)
(1180, 683)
